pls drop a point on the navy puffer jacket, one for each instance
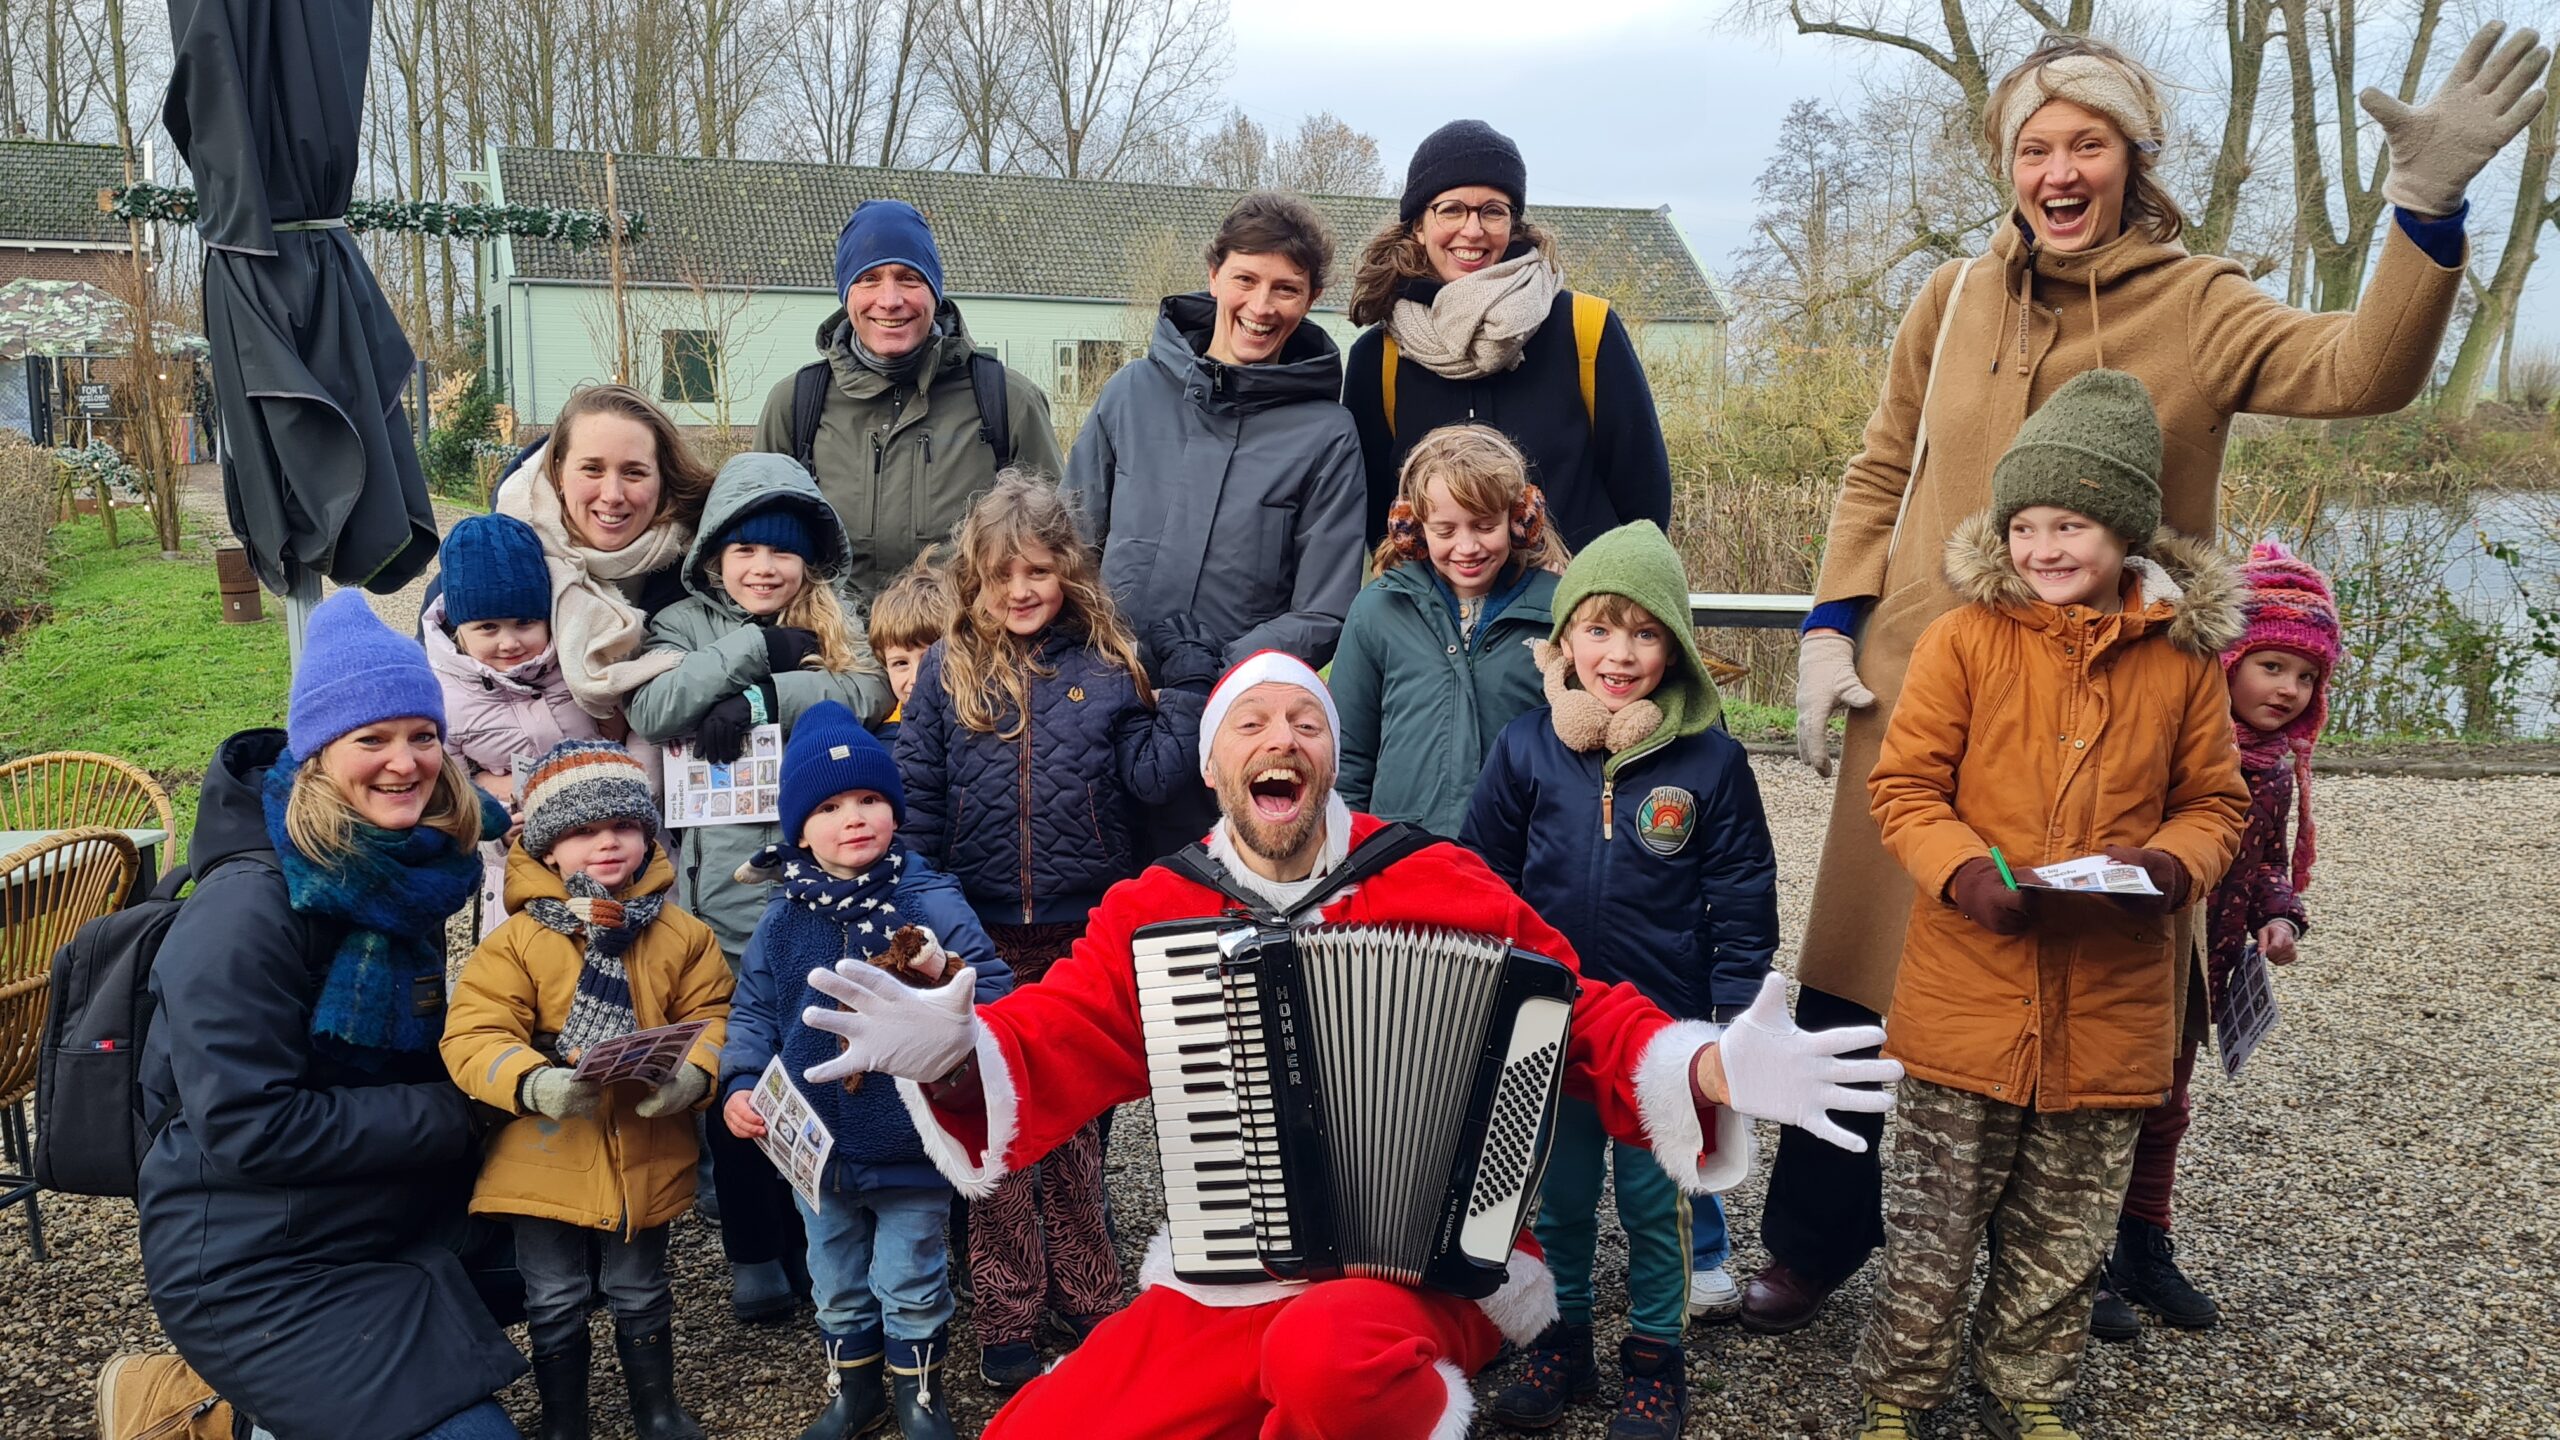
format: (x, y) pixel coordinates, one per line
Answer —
(1037, 827)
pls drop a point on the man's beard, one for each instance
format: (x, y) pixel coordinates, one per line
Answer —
(1282, 841)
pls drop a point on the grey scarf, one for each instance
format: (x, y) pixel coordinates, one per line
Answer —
(897, 369)
(1478, 323)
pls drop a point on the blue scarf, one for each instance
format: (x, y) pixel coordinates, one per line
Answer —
(864, 904)
(384, 994)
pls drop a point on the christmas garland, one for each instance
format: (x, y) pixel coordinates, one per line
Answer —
(572, 227)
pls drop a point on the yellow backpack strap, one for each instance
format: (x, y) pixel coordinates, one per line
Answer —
(1387, 358)
(1590, 322)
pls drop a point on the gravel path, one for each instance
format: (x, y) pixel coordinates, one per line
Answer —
(2377, 1205)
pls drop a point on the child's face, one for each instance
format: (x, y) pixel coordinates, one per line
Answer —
(1617, 655)
(761, 578)
(1026, 594)
(1468, 547)
(503, 644)
(609, 851)
(2066, 557)
(849, 831)
(901, 661)
(2271, 688)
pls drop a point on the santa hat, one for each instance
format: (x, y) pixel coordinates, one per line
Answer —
(1262, 667)
(2288, 606)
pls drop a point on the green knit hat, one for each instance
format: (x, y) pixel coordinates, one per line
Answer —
(2095, 448)
(1637, 561)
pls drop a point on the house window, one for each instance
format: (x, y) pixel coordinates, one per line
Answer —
(688, 366)
(1084, 364)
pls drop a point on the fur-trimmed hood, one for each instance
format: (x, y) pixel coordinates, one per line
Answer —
(2184, 584)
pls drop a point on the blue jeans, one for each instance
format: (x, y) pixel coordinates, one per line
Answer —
(486, 1420)
(1710, 1243)
(877, 1262)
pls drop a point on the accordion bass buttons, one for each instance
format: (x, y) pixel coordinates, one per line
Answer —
(1507, 1173)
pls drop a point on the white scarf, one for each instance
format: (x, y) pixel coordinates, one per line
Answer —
(596, 630)
(1477, 324)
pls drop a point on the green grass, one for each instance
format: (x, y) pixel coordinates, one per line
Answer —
(1750, 721)
(137, 662)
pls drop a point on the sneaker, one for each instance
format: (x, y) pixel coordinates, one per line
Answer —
(1558, 1372)
(1713, 1295)
(1653, 1403)
(1009, 1366)
(2111, 1318)
(2144, 1270)
(1884, 1420)
(158, 1397)
(2023, 1419)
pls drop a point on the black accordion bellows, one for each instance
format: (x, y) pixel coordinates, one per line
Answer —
(1350, 1099)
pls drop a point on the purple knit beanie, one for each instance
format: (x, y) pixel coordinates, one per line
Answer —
(2288, 607)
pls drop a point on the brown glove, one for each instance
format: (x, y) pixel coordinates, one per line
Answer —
(2167, 875)
(1981, 896)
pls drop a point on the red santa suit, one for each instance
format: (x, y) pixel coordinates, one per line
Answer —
(1290, 1361)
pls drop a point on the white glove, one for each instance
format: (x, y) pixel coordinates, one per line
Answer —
(892, 1027)
(1826, 679)
(2440, 146)
(1774, 1071)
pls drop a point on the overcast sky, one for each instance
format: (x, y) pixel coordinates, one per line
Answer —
(1620, 102)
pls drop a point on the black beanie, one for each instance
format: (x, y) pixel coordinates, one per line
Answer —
(1463, 152)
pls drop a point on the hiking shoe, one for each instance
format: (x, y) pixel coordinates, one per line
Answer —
(1713, 1295)
(2023, 1419)
(2144, 1270)
(157, 1397)
(1559, 1371)
(1008, 1366)
(1884, 1420)
(1653, 1403)
(2111, 1318)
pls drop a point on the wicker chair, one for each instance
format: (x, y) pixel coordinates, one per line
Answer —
(75, 787)
(48, 890)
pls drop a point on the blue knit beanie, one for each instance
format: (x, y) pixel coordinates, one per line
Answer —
(356, 672)
(829, 753)
(779, 526)
(886, 232)
(493, 570)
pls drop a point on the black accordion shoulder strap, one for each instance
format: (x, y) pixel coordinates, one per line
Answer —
(1387, 845)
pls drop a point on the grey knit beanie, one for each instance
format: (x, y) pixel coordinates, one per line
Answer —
(2095, 448)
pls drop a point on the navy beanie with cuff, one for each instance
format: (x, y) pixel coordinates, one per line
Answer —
(886, 232)
(829, 753)
(493, 570)
(1462, 152)
(776, 525)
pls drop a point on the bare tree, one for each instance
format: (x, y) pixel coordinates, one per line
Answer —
(1328, 157)
(1235, 154)
(978, 62)
(2493, 325)
(1107, 78)
(2321, 35)
(855, 75)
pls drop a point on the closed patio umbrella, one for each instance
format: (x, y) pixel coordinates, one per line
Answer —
(319, 470)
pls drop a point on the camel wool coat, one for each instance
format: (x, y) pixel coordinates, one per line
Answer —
(2207, 343)
(2054, 732)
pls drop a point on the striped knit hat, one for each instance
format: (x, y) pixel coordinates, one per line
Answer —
(579, 782)
(2288, 607)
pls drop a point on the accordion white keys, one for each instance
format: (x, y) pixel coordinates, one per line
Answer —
(1330, 1100)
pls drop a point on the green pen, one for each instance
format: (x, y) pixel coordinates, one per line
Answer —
(2005, 877)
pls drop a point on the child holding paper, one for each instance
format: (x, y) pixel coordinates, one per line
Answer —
(590, 951)
(2074, 706)
(847, 886)
(2279, 673)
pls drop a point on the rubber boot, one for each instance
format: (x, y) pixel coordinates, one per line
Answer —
(1558, 1372)
(916, 1390)
(855, 1404)
(560, 1378)
(649, 1373)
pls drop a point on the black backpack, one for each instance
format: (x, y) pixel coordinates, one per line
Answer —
(986, 385)
(90, 1135)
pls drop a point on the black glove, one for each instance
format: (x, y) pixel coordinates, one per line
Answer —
(787, 647)
(721, 735)
(1981, 896)
(1187, 656)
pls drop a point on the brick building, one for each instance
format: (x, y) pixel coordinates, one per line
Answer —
(50, 224)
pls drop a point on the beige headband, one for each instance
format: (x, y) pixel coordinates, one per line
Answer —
(2087, 81)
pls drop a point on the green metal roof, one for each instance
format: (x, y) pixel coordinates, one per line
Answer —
(765, 224)
(49, 191)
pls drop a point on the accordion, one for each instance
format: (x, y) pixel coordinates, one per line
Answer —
(1366, 1100)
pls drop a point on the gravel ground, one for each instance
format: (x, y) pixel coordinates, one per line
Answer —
(2377, 1204)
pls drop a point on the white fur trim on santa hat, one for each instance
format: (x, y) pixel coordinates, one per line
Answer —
(1526, 1303)
(1458, 1420)
(975, 1179)
(1262, 667)
(1670, 1114)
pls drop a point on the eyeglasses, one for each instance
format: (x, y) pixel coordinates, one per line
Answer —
(1494, 214)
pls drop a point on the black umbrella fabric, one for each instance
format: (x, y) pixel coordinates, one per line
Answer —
(319, 469)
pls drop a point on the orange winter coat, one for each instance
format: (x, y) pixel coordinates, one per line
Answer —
(2053, 733)
(614, 1169)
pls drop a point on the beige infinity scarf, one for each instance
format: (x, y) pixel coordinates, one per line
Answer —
(598, 633)
(1477, 324)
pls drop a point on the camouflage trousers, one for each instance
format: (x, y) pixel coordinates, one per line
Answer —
(2047, 1188)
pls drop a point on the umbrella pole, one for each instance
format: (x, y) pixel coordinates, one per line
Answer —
(298, 603)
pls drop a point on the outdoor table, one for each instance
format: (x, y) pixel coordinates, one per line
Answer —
(146, 842)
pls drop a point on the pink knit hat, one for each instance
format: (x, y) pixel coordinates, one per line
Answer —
(2288, 607)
